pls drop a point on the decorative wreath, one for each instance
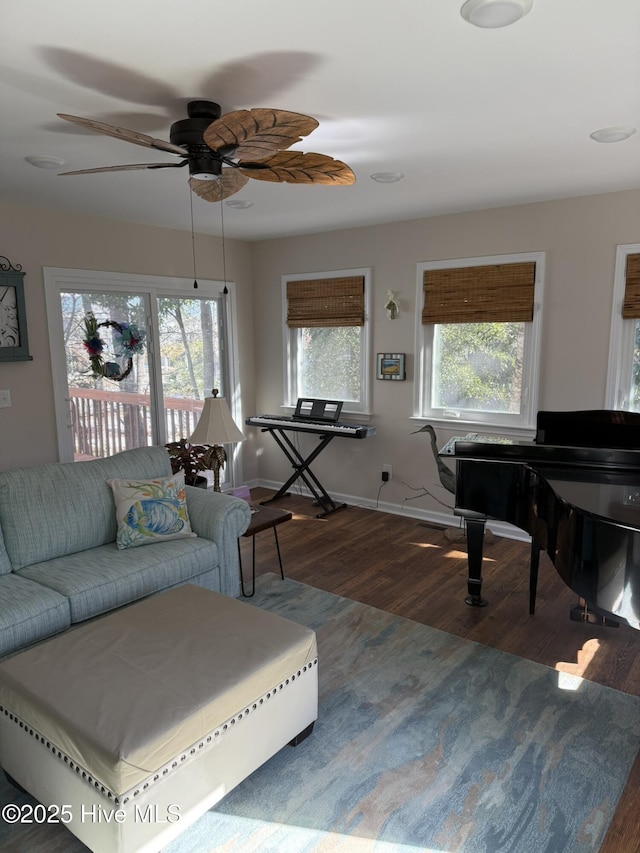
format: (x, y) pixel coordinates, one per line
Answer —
(128, 341)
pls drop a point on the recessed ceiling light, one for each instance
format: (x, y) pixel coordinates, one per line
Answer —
(492, 14)
(612, 134)
(43, 161)
(387, 177)
(239, 203)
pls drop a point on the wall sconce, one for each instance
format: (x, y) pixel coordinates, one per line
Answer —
(391, 307)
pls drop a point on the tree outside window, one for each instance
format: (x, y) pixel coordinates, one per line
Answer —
(326, 337)
(484, 372)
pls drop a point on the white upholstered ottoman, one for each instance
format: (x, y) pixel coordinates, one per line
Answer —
(141, 721)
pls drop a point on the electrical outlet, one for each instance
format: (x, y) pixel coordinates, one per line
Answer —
(387, 473)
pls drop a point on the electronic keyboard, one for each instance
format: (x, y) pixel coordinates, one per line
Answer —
(289, 422)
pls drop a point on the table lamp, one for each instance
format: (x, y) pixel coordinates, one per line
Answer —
(215, 428)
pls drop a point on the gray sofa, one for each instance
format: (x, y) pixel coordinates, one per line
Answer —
(59, 562)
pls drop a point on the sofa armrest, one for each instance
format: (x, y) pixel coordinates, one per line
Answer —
(221, 518)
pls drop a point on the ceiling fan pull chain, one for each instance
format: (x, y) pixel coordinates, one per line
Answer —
(193, 242)
(224, 256)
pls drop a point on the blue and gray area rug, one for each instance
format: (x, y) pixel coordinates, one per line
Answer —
(424, 742)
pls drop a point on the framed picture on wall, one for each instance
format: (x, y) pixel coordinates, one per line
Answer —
(14, 345)
(391, 366)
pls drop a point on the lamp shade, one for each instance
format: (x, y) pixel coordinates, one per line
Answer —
(216, 426)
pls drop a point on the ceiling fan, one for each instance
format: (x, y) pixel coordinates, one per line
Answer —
(224, 151)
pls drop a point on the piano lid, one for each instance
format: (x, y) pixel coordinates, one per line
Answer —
(589, 428)
(547, 454)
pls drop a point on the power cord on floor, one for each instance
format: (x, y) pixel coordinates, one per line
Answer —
(382, 485)
(423, 492)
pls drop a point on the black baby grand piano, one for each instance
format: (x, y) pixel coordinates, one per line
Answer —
(576, 490)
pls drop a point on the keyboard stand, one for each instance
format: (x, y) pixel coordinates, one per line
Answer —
(303, 471)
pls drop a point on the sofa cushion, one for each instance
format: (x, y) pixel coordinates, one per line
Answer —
(5, 562)
(150, 511)
(29, 612)
(106, 577)
(47, 511)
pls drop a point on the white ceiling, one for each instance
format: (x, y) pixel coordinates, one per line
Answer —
(472, 117)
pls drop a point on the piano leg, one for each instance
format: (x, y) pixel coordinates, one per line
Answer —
(533, 575)
(475, 539)
(581, 612)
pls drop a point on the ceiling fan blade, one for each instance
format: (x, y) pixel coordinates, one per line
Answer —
(126, 135)
(126, 168)
(258, 133)
(229, 183)
(294, 167)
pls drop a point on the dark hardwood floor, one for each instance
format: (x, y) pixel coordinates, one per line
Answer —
(409, 568)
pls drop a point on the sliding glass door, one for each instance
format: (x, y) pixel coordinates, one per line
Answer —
(133, 358)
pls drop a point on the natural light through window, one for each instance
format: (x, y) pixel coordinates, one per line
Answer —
(623, 377)
(326, 330)
(570, 675)
(478, 339)
(266, 836)
(454, 554)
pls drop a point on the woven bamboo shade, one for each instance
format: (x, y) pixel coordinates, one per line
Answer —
(326, 302)
(496, 293)
(631, 306)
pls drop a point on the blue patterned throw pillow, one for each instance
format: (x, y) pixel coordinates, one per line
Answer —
(149, 511)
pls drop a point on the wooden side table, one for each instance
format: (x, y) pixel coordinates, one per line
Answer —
(262, 518)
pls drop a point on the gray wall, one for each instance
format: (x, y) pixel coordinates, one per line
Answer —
(38, 238)
(579, 235)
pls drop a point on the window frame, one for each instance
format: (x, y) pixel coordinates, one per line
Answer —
(291, 338)
(151, 287)
(524, 421)
(621, 336)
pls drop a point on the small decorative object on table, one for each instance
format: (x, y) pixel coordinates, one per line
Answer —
(243, 492)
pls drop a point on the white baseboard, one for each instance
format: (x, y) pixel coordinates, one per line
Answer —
(442, 519)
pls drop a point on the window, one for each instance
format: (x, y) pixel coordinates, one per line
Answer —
(326, 337)
(159, 399)
(478, 340)
(623, 379)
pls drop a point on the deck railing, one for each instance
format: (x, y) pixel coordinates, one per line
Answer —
(106, 422)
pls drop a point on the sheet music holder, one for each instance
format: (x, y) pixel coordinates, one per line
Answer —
(317, 410)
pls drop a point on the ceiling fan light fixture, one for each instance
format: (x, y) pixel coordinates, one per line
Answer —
(204, 176)
(239, 203)
(44, 161)
(387, 177)
(612, 134)
(492, 14)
